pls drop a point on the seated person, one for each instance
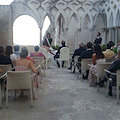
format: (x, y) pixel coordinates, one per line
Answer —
(97, 57)
(4, 59)
(112, 44)
(9, 52)
(109, 53)
(23, 64)
(113, 68)
(77, 52)
(84, 55)
(36, 53)
(16, 51)
(58, 53)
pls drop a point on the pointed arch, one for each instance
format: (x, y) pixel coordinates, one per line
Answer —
(26, 31)
(76, 18)
(30, 10)
(57, 16)
(49, 16)
(86, 22)
(89, 17)
(99, 17)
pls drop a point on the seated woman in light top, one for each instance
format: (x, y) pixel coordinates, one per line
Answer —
(36, 53)
(23, 64)
(97, 57)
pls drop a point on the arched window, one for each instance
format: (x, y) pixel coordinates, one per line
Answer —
(26, 31)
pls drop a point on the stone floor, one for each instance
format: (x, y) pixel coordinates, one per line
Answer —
(61, 96)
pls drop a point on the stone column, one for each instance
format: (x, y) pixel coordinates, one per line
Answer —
(105, 30)
(40, 36)
(91, 35)
(113, 34)
(116, 35)
(53, 36)
(66, 35)
(78, 35)
(110, 34)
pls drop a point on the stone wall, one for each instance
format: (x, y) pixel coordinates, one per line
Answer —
(6, 31)
(72, 20)
(112, 11)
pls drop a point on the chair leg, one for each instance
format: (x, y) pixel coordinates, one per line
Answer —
(0, 96)
(117, 94)
(82, 75)
(3, 90)
(6, 98)
(46, 63)
(68, 63)
(31, 93)
(60, 64)
(98, 81)
(107, 87)
(44, 71)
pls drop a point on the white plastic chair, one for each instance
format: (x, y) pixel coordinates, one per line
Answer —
(84, 65)
(100, 70)
(40, 61)
(45, 53)
(5, 68)
(39, 65)
(117, 82)
(19, 80)
(74, 63)
(64, 55)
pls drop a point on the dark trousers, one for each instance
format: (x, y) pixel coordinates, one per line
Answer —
(112, 83)
(57, 56)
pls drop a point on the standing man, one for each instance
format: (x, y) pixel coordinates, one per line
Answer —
(98, 40)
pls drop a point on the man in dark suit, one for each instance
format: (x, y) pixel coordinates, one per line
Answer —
(4, 59)
(86, 54)
(113, 68)
(58, 53)
(98, 40)
(77, 52)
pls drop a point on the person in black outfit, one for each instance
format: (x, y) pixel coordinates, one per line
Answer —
(58, 53)
(77, 52)
(86, 54)
(98, 40)
(4, 59)
(113, 68)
